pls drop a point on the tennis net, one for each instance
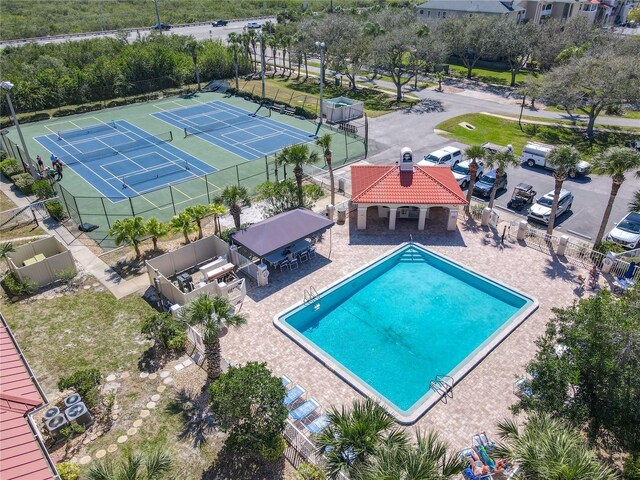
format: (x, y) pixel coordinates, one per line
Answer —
(219, 125)
(79, 132)
(143, 142)
(149, 174)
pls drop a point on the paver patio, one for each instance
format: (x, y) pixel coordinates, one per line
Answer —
(480, 399)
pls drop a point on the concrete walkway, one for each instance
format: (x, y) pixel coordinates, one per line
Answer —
(90, 262)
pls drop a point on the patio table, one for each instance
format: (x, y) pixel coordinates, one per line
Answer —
(276, 257)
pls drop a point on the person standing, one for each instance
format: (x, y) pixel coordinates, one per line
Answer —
(40, 163)
(59, 169)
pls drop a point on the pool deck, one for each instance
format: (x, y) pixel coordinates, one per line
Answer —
(483, 397)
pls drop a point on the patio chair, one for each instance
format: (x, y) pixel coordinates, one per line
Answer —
(304, 410)
(304, 255)
(318, 425)
(520, 389)
(284, 263)
(293, 262)
(285, 381)
(293, 394)
(311, 251)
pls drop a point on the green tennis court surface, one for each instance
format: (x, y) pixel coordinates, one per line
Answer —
(86, 202)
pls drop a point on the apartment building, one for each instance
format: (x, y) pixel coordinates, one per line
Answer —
(436, 10)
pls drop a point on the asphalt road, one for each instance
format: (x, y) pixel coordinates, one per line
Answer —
(199, 32)
(414, 129)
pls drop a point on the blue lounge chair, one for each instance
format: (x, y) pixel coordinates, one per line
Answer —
(293, 394)
(304, 410)
(285, 381)
(318, 425)
(469, 475)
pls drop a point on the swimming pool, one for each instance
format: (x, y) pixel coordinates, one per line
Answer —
(391, 327)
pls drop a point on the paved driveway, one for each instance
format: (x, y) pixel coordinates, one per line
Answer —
(414, 128)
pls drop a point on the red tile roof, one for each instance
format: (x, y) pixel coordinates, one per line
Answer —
(384, 184)
(21, 456)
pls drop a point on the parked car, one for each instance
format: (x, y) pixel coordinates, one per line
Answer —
(626, 233)
(446, 156)
(541, 210)
(535, 154)
(461, 172)
(483, 187)
(253, 25)
(219, 23)
(495, 148)
(161, 26)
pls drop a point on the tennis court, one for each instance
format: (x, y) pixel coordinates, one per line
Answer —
(246, 134)
(121, 160)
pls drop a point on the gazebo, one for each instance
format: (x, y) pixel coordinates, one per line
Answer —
(405, 190)
(282, 235)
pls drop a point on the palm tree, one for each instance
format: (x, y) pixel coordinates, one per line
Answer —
(156, 229)
(235, 198)
(218, 210)
(152, 465)
(548, 449)
(324, 142)
(193, 47)
(440, 76)
(5, 249)
(564, 159)
(615, 162)
(236, 46)
(429, 459)
(634, 205)
(250, 39)
(183, 223)
(129, 231)
(500, 161)
(297, 155)
(473, 153)
(197, 214)
(353, 436)
(212, 313)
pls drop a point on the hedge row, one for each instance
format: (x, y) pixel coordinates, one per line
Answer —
(299, 111)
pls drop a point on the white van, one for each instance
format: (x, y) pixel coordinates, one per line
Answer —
(446, 156)
(536, 154)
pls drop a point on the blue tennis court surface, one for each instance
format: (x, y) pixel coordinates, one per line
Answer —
(234, 129)
(121, 160)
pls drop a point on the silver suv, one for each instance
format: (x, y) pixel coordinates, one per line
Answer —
(541, 210)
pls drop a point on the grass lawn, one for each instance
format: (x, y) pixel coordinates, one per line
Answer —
(503, 132)
(19, 231)
(488, 75)
(626, 114)
(307, 94)
(578, 123)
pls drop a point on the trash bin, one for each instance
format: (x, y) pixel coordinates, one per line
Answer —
(342, 215)
(341, 185)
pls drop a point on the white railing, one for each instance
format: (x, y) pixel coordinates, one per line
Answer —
(247, 266)
(540, 238)
(320, 177)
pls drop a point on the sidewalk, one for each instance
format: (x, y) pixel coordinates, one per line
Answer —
(93, 265)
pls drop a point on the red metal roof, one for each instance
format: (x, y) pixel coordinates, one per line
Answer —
(21, 457)
(384, 184)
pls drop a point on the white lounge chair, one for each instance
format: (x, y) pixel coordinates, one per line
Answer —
(318, 425)
(304, 410)
(293, 394)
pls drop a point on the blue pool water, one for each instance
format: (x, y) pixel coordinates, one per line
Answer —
(405, 319)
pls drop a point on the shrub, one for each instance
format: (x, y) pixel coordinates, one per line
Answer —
(55, 210)
(606, 247)
(631, 468)
(309, 471)
(85, 382)
(25, 118)
(68, 471)
(10, 167)
(166, 331)
(18, 288)
(68, 276)
(23, 182)
(3, 155)
(272, 450)
(42, 189)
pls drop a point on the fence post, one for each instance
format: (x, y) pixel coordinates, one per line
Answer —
(77, 210)
(172, 202)
(206, 185)
(522, 230)
(35, 218)
(238, 175)
(133, 213)
(105, 212)
(64, 199)
(266, 166)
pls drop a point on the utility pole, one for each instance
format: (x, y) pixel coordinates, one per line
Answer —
(262, 66)
(321, 47)
(8, 86)
(155, 4)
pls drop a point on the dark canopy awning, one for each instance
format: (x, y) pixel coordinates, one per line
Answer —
(281, 230)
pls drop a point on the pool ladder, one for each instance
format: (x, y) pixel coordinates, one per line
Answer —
(310, 294)
(443, 385)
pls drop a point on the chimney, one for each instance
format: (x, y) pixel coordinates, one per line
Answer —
(406, 160)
